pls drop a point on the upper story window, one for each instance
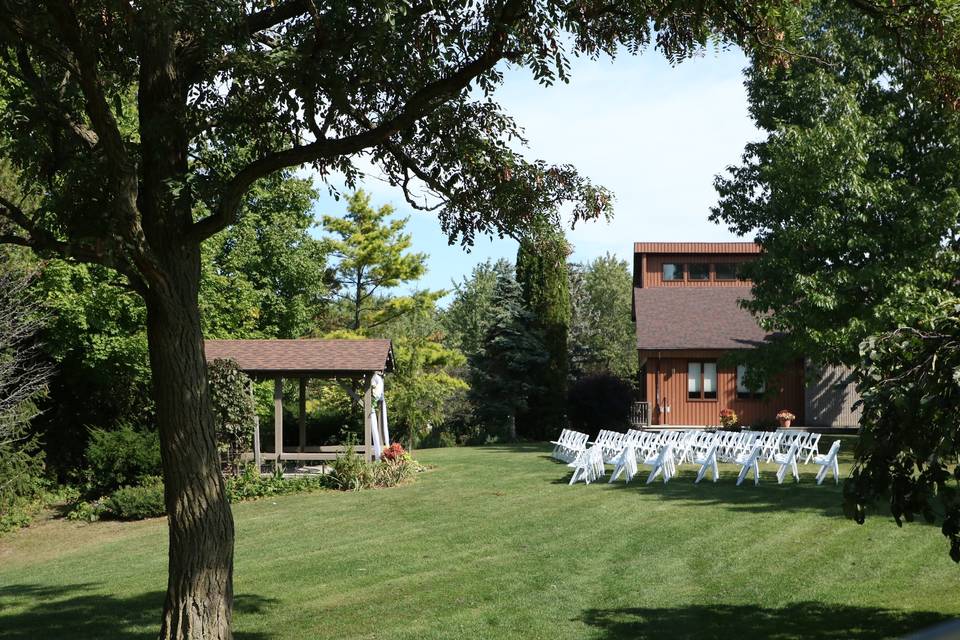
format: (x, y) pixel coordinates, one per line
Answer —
(702, 380)
(744, 392)
(726, 270)
(698, 271)
(672, 271)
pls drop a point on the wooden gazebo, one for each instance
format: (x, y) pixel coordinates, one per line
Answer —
(303, 360)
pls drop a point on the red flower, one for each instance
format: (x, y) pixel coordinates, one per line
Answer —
(394, 452)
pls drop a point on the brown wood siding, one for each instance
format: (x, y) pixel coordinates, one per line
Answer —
(653, 273)
(829, 399)
(672, 372)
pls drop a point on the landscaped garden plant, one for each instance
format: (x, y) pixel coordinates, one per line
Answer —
(234, 414)
(728, 418)
(785, 417)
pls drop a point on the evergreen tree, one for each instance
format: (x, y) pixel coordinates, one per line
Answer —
(544, 280)
(470, 313)
(373, 256)
(602, 334)
(502, 373)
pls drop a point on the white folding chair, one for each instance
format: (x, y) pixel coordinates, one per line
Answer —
(625, 463)
(588, 465)
(559, 443)
(828, 462)
(811, 447)
(749, 462)
(785, 460)
(661, 464)
(707, 461)
(771, 445)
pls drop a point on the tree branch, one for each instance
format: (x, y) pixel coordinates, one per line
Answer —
(46, 98)
(39, 239)
(275, 15)
(419, 104)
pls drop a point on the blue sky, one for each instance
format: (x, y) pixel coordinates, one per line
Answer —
(655, 135)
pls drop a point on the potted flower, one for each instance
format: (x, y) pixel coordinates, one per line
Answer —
(785, 418)
(728, 418)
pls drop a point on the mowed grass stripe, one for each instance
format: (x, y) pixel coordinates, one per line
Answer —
(492, 543)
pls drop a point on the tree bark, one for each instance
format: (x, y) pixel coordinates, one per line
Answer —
(200, 576)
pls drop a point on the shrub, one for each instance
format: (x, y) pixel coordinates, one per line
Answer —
(728, 418)
(395, 452)
(389, 473)
(122, 457)
(86, 511)
(600, 401)
(350, 472)
(233, 411)
(137, 502)
(249, 484)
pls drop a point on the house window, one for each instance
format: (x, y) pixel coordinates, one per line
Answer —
(743, 392)
(702, 380)
(698, 271)
(726, 270)
(672, 271)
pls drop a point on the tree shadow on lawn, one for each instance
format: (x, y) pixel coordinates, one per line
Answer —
(803, 496)
(798, 620)
(70, 611)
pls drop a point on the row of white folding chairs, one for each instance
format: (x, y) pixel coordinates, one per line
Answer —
(663, 450)
(569, 445)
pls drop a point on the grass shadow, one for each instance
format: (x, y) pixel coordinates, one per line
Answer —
(72, 611)
(798, 620)
(803, 496)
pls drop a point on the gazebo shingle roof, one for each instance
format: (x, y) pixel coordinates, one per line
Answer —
(307, 356)
(695, 318)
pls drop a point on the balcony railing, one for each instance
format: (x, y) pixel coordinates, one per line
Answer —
(640, 414)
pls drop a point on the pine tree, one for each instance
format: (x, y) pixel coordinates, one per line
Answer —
(373, 256)
(544, 280)
(503, 373)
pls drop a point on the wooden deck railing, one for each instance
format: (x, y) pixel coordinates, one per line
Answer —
(640, 414)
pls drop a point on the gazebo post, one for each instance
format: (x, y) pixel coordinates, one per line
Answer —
(303, 414)
(367, 425)
(278, 417)
(256, 431)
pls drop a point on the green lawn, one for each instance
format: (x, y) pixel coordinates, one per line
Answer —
(492, 543)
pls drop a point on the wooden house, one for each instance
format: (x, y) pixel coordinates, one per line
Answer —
(687, 314)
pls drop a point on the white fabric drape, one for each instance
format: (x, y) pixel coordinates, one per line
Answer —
(386, 429)
(379, 407)
(377, 445)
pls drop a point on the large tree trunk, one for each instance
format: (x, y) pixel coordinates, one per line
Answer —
(199, 601)
(200, 583)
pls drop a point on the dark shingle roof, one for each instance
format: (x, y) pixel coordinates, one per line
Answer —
(304, 356)
(694, 318)
(696, 247)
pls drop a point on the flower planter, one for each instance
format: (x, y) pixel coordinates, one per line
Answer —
(785, 424)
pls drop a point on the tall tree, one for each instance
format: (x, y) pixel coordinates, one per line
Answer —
(502, 373)
(148, 123)
(602, 335)
(271, 253)
(545, 283)
(853, 195)
(373, 257)
(23, 379)
(470, 312)
(425, 382)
